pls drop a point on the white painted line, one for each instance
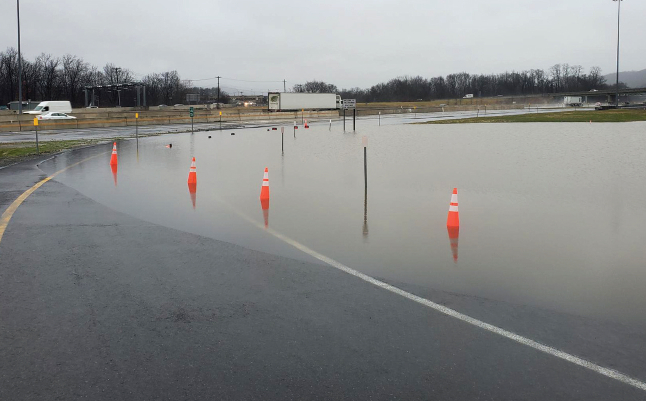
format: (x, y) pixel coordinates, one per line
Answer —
(611, 373)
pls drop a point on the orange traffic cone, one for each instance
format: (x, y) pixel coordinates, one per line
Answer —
(114, 172)
(264, 191)
(306, 126)
(192, 191)
(264, 205)
(113, 159)
(454, 234)
(192, 173)
(453, 219)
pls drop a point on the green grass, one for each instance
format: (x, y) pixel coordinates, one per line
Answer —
(17, 151)
(597, 116)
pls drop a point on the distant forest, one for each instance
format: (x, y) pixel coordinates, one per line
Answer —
(63, 78)
(558, 78)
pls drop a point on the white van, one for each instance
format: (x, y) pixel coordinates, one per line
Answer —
(59, 106)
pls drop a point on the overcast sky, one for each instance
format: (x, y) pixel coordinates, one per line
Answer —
(347, 43)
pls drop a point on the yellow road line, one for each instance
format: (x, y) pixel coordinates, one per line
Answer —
(6, 216)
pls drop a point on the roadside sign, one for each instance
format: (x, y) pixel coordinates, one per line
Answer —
(220, 113)
(349, 103)
(136, 115)
(190, 112)
(35, 122)
(282, 130)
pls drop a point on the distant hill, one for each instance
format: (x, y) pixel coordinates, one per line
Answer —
(634, 79)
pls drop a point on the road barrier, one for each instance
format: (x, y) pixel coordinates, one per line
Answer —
(22, 124)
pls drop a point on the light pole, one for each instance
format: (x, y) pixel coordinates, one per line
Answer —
(617, 87)
(19, 63)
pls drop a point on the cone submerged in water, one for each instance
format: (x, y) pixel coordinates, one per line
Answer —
(264, 190)
(453, 219)
(192, 173)
(113, 158)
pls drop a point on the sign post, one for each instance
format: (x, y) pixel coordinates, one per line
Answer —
(36, 127)
(220, 121)
(350, 104)
(137, 125)
(282, 139)
(190, 112)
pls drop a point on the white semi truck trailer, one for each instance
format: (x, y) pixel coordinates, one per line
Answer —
(573, 101)
(303, 101)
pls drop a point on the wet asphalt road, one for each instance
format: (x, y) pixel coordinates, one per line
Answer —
(95, 304)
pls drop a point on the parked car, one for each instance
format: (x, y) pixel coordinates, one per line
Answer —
(55, 116)
(3, 107)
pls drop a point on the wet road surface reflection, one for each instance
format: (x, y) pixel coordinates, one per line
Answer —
(551, 215)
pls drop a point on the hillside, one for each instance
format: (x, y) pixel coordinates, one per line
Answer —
(634, 79)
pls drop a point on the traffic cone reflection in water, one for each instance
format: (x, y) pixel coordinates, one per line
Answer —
(113, 158)
(113, 167)
(192, 190)
(264, 205)
(454, 234)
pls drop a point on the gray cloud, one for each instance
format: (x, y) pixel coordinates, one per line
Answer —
(348, 43)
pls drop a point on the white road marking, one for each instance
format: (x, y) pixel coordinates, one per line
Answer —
(611, 373)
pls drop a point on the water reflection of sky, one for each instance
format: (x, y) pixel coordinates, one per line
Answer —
(551, 214)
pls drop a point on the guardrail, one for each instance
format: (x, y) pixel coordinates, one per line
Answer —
(27, 124)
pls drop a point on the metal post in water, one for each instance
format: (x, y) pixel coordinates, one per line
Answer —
(191, 125)
(302, 116)
(37, 148)
(282, 139)
(354, 119)
(343, 120)
(380, 118)
(365, 162)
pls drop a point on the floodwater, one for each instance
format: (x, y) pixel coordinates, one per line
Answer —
(551, 215)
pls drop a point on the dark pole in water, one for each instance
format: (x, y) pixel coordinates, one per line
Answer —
(380, 118)
(617, 87)
(343, 120)
(282, 139)
(354, 119)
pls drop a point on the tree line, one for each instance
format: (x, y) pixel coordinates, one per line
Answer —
(558, 78)
(64, 78)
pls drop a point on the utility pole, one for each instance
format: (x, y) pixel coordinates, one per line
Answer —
(117, 69)
(19, 63)
(284, 85)
(218, 77)
(617, 87)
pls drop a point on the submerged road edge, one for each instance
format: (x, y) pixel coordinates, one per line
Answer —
(611, 373)
(8, 213)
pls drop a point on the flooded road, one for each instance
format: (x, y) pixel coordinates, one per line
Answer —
(551, 215)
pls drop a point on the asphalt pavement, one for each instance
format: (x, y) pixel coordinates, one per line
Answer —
(96, 304)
